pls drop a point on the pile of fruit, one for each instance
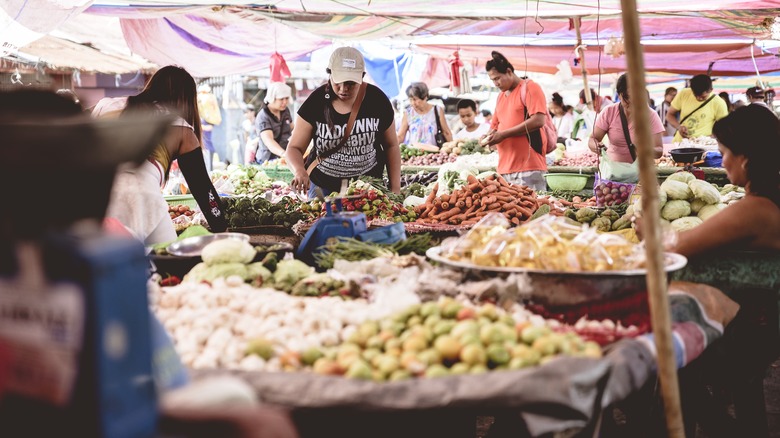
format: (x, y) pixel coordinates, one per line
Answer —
(179, 210)
(409, 152)
(366, 198)
(443, 338)
(433, 159)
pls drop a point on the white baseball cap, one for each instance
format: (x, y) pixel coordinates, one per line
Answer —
(346, 64)
(277, 90)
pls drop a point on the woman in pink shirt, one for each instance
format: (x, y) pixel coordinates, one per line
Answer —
(610, 122)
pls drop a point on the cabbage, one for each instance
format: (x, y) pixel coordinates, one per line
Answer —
(683, 176)
(211, 272)
(685, 223)
(708, 211)
(676, 189)
(228, 251)
(675, 209)
(696, 205)
(704, 191)
(662, 198)
(255, 270)
(289, 272)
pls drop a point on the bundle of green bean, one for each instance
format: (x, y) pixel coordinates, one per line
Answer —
(354, 250)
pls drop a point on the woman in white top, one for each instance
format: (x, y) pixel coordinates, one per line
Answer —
(418, 124)
(563, 117)
(136, 197)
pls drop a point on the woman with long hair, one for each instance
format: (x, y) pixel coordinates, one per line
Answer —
(136, 198)
(749, 139)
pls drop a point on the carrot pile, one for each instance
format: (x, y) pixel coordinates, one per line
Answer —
(467, 205)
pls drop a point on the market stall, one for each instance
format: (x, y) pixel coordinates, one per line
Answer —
(289, 326)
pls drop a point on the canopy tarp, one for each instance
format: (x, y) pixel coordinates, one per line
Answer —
(214, 40)
(726, 59)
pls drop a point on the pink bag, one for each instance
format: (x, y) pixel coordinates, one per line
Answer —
(534, 137)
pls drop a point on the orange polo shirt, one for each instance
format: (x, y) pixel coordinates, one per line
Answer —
(515, 153)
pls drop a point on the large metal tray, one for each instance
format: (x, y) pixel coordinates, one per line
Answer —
(559, 288)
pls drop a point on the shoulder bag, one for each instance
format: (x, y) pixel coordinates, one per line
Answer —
(350, 124)
(535, 137)
(439, 134)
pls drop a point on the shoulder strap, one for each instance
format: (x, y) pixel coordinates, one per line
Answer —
(698, 108)
(626, 133)
(350, 124)
(438, 123)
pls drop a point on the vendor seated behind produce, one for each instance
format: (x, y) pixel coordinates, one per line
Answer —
(467, 110)
(749, 139)
(616, 119)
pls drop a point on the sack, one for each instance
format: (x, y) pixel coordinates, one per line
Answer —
(439, 137)
(617, 171)
(609, 193)
(535, 137)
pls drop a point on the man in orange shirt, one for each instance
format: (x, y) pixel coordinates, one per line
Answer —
(518, 162)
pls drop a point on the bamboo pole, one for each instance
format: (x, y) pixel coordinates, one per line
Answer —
(581, 53)
(651, 225)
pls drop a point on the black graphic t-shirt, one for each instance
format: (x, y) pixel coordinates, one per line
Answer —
(360, 154)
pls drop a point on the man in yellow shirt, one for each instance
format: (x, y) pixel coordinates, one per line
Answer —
(699, 109)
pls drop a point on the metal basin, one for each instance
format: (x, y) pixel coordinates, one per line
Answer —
(558, 288)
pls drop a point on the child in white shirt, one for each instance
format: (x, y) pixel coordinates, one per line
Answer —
(467, 110)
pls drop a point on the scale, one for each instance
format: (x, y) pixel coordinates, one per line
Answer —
(75, 341)
(348, 224)
(689, 159)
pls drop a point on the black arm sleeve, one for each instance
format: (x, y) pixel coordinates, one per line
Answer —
(193, 167)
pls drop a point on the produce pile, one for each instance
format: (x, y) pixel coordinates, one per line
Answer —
(602, 219)
(420, 177)
(184, 217)
(443, 338)
(228, 323)
(409, 152)
(477, 199)
(464, 147)
(241, 180)
(580, 160)
(611, 193)
(179, 210)
(548, 243)
(686, 202)
(227, 258)
(253, 211)
(665, 161)
(430, 159)
(343, 248)
(372, 199)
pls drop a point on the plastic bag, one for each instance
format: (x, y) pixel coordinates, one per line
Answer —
(609, 193)
(617, 171)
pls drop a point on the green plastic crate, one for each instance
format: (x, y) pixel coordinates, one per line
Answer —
(187, 200)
